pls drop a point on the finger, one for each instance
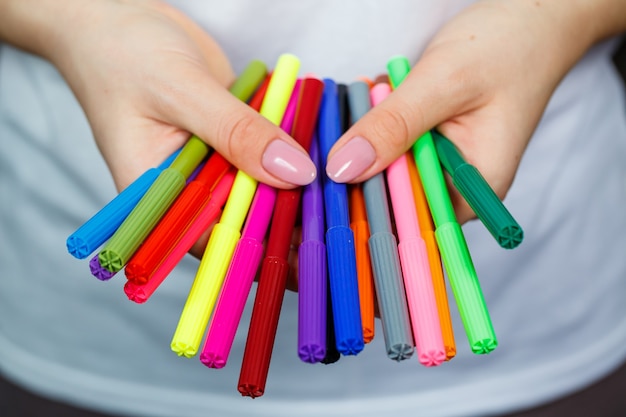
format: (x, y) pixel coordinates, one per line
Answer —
(243, 136)
(424, 99)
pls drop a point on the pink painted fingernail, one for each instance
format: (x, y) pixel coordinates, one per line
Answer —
(288, 163)
(351, 160)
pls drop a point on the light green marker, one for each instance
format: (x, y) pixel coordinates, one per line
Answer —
(168, 185)
(449, 235)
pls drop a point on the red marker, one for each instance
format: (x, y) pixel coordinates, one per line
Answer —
(275, 266)
(176, 221)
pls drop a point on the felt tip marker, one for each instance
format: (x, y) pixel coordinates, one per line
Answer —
(176, 221)
(479, 195)
(427, 230)
(149, 210)
(152, 206)
(243, 266)
(225, 235)
(360, 228)
(452, 245)
(418, 281)
(392, 299)
(339, 236)
(101, 226)
(275, 266)
(209, 214)
(312, 276)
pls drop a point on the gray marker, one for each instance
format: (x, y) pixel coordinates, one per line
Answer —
(383, 248)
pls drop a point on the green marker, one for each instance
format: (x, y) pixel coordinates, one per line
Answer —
(478, 194)
(449, 235)
(168, 185)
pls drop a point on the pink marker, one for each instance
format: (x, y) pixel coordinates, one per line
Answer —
(244, 265)
(141, 293)
(418, 281)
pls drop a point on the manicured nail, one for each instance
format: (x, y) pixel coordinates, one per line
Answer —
(288, 163)
(351, 160)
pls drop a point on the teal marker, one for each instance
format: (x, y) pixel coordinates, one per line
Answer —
(479, 195)
(450, 238)
(160, 196)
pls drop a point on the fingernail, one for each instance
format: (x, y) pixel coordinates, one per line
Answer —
(351, 160)
(288, 163)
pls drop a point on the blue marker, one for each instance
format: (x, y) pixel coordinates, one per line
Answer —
(101, 226)
(339, 237)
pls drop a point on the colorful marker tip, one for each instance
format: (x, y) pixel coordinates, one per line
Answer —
(312, 353)
(432, 358)
(98, 271)
(482, 347)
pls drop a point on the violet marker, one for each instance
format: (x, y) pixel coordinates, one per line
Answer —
(312, 278)
(99, 271)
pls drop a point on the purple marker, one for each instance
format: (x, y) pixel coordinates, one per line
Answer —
(312, 271)
(99, 271)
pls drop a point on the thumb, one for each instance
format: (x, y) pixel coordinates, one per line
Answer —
(423, 100)
(247, 139)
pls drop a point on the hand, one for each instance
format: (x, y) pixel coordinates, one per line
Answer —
(483, 81)
(147, 76)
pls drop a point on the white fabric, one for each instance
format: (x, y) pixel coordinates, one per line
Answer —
(556, 301)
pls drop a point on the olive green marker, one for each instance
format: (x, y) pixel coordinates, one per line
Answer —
(168, 185)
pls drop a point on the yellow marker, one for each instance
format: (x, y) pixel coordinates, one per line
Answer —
(219, 251)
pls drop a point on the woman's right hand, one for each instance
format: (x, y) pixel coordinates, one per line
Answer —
(147, 76)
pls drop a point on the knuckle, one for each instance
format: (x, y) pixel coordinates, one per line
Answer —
(392, 128)
(237, 133)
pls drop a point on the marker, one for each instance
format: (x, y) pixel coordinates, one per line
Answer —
(360, 228)
(208, 215)
(168, 185)
(427, 230)
(418, 281)
(478, 194)
(275, 267)
(339, 236)
(152, 206)
(392, 300)
(312, 276)
(98, 271)
(226, 233)
(450, 238)
(243, 266)
(101, 226)
(176, 221)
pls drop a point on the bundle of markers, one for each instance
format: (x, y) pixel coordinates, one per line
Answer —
(383, 242)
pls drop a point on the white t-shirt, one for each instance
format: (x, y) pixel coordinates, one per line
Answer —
(556, 301)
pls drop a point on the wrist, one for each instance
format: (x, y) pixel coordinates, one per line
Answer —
(36, 25)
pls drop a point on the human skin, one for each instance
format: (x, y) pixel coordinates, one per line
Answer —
(146, 76)
(484, 82)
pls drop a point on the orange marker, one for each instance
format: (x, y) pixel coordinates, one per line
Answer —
(427, 230)
(360, 228)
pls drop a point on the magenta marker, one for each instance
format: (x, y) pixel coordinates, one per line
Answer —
(418, 281)
(244, 265)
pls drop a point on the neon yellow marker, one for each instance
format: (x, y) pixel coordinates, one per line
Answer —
(219, 251)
